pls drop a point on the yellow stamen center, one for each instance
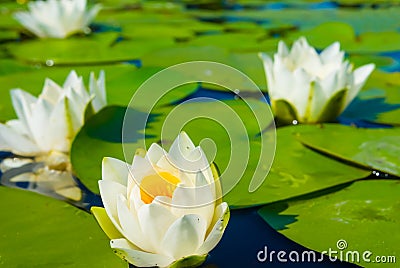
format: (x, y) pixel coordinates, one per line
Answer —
(160, 184)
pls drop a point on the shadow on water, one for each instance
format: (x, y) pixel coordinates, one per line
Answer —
(362, 112)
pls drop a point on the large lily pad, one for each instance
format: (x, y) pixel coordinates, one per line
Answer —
(93, 49)
(293, 171)
(350, 42)
(38, 231)
(101, 137)
(376, 149)
(248, 63)
(342, 220)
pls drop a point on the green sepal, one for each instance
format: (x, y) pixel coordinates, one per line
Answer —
(284, 112)
(333, 107)
(105, 223)
(190, 261)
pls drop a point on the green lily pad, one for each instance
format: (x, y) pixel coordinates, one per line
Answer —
(292, 173)
(139, 17)
(121, 83)
(236, 42)
(9, 66)
(148, 30)
(342, 220)
(379, 61)
(248, 63)
(102, 137)
(38, 231)
(9, 35)
(376, 149)
(367, 42)
(92, 49)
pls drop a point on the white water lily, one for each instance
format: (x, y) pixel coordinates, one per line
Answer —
(47, 125)
(57, 18)
(157, 214)
(309, 87)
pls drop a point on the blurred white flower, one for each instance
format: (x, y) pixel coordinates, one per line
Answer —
(47, 125)
(157, 214)
(309, 87)
(57, 18)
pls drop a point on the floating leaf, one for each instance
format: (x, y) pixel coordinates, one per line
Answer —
(44, 232)
(248, 63)
(93, 49)
(102, 137)
(365, 209)
(376, 149)
(293, 171)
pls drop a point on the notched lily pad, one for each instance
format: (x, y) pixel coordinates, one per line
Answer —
(102, 137)
(43, 232)
(342, 221)
(375, 149)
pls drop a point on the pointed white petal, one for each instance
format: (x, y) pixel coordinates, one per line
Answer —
(155, 152)
(154, 221)
(97, 88)
(221, 218)
(115, 170)
(331, 53)
(360, 77)
(12, 141)
(130, 225)
(184, 236)
(141, 167)
(109, 191)
(60, 134)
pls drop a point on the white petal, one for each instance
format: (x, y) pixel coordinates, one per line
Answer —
(141, 167)
(60, 134)
(184, 236)
(155, 152)
(115, 170)
(97, 88)
(22, 103)
(220, 221)
(185, 156)
(109, 191)
(182, 146)
(30, 23)
(134, 197)
(283, 50)
(194, 200)
(269, 73)
(155, 220)
(360, 77)
(137, 257)
(130, 225)
(12, 141)
(331, 53)
(52, 92)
